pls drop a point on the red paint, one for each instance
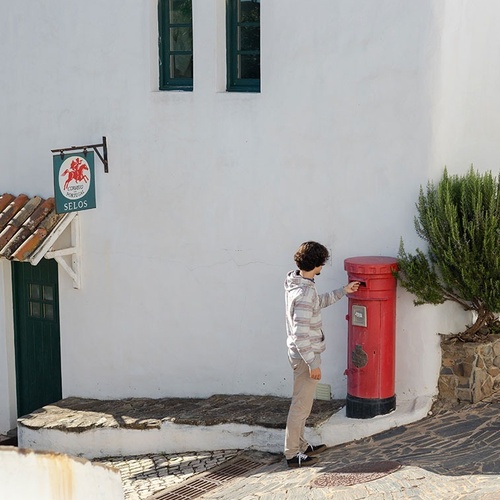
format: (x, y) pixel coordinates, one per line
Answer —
(373, 377)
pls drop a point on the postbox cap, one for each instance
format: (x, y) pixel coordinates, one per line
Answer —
(371, 265)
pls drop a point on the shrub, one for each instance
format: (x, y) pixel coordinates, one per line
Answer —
(460, 221)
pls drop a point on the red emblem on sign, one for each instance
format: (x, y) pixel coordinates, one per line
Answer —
(75, 172)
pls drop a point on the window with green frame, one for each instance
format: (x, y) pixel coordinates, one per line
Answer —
(243, 45)
(175, 28)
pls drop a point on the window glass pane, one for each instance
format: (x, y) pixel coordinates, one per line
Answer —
(35, 310)
(35, 292)
(180, 11)
(243, 45)
(48, 293)
(181, 39)
(176, 44)
(181, 66)
(48, 311)
(249, 38)
(249, 11)
(249, 66)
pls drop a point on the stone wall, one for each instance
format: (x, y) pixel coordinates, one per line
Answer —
(469, 371)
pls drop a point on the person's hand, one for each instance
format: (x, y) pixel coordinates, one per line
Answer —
(315, 373)
(352, 287)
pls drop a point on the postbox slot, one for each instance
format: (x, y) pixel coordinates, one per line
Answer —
(362, 282)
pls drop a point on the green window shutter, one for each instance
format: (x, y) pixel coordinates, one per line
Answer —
(243, 45)
(175, 28)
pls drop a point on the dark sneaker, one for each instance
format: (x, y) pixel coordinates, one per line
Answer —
(314, 450)
(301, 460)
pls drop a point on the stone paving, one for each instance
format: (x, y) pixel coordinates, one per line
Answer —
(82, 414)
(142, 476)
(452, 454)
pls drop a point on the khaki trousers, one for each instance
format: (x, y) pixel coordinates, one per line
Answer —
(304, 390)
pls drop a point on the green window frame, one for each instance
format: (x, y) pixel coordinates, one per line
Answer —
(175, 41)
(243, 45)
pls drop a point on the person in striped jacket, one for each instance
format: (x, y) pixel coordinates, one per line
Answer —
(306, 342)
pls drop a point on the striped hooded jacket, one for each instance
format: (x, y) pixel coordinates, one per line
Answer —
(303, 304)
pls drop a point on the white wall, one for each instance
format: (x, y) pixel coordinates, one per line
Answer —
(469, 108)
(209, 193)
(49, 476)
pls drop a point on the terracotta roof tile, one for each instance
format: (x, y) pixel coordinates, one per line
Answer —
(24, 224)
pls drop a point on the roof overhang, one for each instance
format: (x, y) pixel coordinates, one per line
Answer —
(30, 229)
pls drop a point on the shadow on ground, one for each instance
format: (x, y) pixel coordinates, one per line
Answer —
(455, 441)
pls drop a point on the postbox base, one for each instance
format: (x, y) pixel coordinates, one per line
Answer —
(368, 408)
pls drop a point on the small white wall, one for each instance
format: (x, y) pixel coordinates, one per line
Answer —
(8, 411)
(34, 475)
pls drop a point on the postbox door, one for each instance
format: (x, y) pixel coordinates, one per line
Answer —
(367, 350)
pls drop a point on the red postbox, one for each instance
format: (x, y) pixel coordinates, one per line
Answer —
(371, 337)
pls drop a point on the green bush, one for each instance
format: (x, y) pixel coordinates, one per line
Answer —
(460, 221)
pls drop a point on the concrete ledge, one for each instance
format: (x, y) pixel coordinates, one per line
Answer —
(339, 429)
(167, 436)
(171, 438)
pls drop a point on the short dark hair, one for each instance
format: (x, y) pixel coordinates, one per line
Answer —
(310, 255)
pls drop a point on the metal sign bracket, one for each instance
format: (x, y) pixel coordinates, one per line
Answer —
(103, 157)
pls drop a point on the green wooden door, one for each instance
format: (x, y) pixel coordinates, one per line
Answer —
(36, 334)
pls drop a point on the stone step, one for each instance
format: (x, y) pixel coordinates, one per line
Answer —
(93, 428)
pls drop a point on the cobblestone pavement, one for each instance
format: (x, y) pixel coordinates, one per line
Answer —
(453, 454)
(144, 475)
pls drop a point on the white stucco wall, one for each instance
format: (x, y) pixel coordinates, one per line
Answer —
(469, 108)
(209, 193)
